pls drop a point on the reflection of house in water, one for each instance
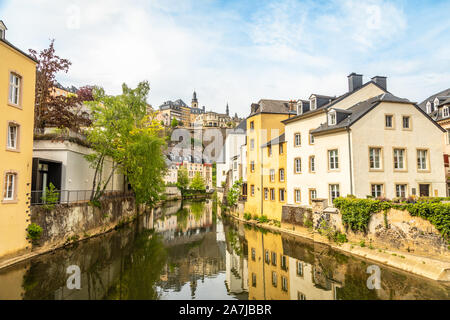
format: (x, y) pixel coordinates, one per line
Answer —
(268, 267)
(236, 259)
(309, 277)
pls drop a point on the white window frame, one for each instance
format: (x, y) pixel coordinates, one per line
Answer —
(399, 154)
(298, 168)
(422, 160)
(312, 163)
(332, 118)
(12, 141)
(281, 173)
(376, 190)
(15, 82)
(445, 112)
(398, 191)
(297, 142)
(334, 191)
(313, 103)
(333, 159)
(281, 197)
(272, 175)
(10, 187)
(374, 157)
(297, 196)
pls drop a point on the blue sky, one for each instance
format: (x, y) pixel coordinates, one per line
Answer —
(240, 51)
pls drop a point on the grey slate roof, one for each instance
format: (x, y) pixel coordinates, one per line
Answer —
(336, 100)
(423, 104)
(271, 106)
(359, 110)
(275, 141)
(242, 126)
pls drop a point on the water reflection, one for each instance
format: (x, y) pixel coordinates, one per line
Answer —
(184, 251)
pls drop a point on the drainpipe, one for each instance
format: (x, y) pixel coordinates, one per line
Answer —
(350, 160)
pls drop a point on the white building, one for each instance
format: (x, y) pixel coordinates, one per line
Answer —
(367, 142)
(231, 155)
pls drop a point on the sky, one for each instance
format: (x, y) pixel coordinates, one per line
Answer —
(238, 52)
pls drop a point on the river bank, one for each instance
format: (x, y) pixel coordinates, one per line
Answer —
(430, 268)
(66, 225)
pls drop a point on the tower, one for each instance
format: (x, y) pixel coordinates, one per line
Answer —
(194, 103)
(228, 110)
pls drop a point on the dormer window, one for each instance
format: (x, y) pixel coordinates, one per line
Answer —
(428, 107)
(445, 112)
(332, 118)
(313, 103)
(436, 104)
(299, 108)
(2, 30)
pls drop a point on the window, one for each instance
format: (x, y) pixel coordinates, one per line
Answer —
(297, 195)
(297, 140)
(389, 121)
(300, 296)
(422, 159)
(269, 151)
(283, 262)
(334, 191)
(299, 268)
(252, 125)
(272, 194)
(14, 89)
(266, 194)
(375, 158)
(332, 118)
(377, 190)
(297, 165)
(252, 144)
(312, 195)
(445, 113)
(281, 173)
(274, 258)
(281, 151)
(267, 257)
(312, 164)
(253, 254)
(272, 175)
(399, 159)
(400, 190)
(406, 122)
(313, 103)
(284, 283)
(252, 190)
(10, 185)
(13, 131)
(281, 195)
(311, 139)
(274, 278)
(253, 279)
(252, 166)
(333, 161)
(428, 107)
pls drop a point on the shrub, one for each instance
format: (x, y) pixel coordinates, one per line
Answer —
(50, 197)
(362, 243)
(247, 216)
(340, 237)
(34, 232)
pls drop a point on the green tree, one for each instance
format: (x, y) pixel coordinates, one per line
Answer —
(198, 183)
(174, 123)
(123, 133)
(182, 179)
(234, 193)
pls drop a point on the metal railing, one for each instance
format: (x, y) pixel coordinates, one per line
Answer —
(75, 196)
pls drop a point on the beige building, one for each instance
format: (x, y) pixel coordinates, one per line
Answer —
(366, 142)
(438, 107)
(213, 119)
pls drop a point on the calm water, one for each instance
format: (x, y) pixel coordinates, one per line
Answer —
(184, 251)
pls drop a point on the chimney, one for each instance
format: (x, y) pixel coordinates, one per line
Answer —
(354, 81)
(381, 81)
(291, 105)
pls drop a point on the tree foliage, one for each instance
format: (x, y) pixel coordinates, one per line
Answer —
(234, 193)
(198, 183)
(182, 179)
(124, 133)
(53, 110)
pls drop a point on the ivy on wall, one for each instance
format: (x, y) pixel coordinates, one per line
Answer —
(356, 213)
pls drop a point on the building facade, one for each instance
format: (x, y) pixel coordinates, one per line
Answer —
(17, 97)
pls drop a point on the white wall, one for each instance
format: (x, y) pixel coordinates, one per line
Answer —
(232, 148)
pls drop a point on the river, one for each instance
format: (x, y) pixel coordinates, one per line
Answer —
(185, 251)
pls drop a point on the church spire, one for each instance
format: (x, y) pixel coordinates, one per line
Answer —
(228, 110)
(194, 103)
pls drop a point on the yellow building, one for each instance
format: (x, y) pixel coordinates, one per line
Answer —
(17, 91)
(268, 267)
(273, 162)
(263, 126)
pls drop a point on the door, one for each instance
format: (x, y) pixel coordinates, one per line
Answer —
(424, 190)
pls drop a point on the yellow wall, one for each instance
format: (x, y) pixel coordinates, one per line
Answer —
(264, 289)
(272, 208)
(266, 128)
(14, 214)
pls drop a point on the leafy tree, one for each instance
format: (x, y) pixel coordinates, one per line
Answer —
(55, 110)
(123, 132)
(182, 179)
(198, 183)
(234, 193)
(174, 123)
(50, 198)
